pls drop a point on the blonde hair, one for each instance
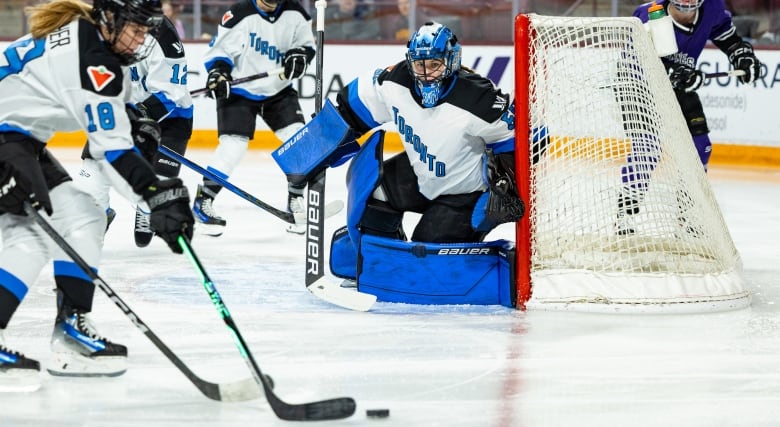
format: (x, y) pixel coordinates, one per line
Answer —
(47, 17)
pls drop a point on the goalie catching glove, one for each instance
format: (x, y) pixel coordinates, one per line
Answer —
(685, 78)
(171, 216)
(501, 203)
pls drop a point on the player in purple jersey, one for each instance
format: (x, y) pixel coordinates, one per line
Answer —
(695, 23)
(66, 75)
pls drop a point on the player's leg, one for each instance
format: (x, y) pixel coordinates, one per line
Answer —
(176, 133)
(640, 163)
(77, 348)
(24, 253)
(282, 113)
(448, 220)
(693, 111)
(236, 126)
(25, 250)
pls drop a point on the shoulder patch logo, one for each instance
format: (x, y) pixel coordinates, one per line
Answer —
(178, 46)
(500, 103)
(100, 76)
(227, 17)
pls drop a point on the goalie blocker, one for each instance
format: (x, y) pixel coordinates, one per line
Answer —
(326, 141)
(415, 272)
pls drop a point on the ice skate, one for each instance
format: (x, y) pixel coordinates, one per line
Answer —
(143, 231)
(78, 350)
(207, 220)
(17, 372)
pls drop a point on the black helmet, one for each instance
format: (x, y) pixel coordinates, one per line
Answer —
(115, 14)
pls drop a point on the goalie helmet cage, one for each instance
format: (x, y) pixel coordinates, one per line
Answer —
(620, 214)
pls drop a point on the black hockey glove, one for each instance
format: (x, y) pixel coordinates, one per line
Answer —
(742, 57)
(15, 189)
(218, 83)
(685, 78)
(171, 216)
(295, 63)
(146, 134)
(501, 203)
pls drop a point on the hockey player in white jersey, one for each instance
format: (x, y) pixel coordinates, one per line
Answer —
(457, 171)
(254, 36)
(66, 76)
(158, 92)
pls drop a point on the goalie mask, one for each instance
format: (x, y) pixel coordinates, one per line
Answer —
(433, 56)
(126, 23)
(271, 3)
(686, 5)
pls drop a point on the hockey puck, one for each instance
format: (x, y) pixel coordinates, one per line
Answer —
(377, 413)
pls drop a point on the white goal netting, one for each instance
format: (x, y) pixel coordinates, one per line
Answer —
(622, 216)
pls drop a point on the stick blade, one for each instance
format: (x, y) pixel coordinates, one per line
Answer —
(333, 293)
(331, 409)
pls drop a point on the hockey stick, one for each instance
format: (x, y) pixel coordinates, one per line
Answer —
(229, 392)
(316, 283)
(274, 72)
(330, 210)
(331, 409)
(734, 73)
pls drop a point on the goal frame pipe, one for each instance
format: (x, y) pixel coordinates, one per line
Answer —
(522, 157)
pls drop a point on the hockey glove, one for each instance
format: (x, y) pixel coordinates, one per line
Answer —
(742, 57)
(171, 216)
(15, 189)
(501, 203)
(685, 78)
(218, 83)
(295, 63)
(146, 134)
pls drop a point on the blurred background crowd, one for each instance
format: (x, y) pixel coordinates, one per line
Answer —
(473, 21)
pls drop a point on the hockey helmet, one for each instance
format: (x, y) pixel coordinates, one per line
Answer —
(114, 15)
(686, 5)
(433, 41)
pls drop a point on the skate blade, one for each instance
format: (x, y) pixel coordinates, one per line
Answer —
(212, 230)
(19, 381)
(77, 365)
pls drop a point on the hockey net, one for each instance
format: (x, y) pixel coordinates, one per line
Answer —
(621, 216)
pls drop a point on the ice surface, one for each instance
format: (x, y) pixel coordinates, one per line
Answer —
(431, 366)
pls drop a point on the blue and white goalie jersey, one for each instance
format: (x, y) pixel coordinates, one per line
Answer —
(446, 143)
(251, 41)
(68, 81)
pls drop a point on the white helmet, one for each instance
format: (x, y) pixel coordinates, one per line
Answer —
(686, 5)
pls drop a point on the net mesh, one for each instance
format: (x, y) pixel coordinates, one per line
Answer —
(621, 208)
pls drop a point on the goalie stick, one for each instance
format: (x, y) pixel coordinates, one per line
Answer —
(331, 208)
(316, 282)
(331, 409)
(227, 392)
(274, 72)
